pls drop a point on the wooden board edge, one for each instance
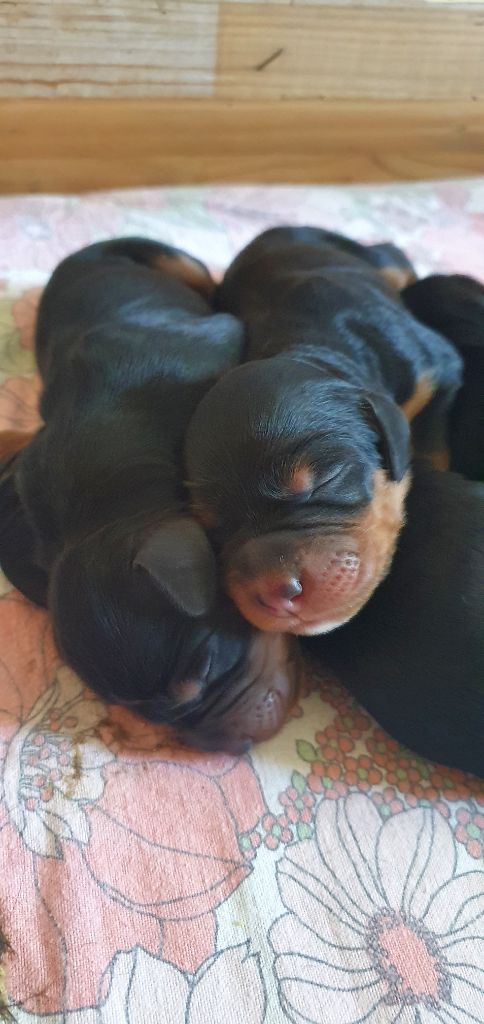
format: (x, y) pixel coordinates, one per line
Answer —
(81, 145)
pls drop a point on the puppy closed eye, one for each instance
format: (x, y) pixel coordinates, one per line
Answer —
(329, 475)
(305, 481)
(300, 480)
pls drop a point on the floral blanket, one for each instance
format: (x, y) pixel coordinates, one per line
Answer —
(330, 877)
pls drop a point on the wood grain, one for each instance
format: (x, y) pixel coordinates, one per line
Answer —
(75, 145)
(356, 49)
(396, 52)
(108, 48)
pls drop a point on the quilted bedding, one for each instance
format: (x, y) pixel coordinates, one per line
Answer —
(330, 877)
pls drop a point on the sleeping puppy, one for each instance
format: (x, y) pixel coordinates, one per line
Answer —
(94, 518)
(454, 305)
(414, 656)
(298, 460)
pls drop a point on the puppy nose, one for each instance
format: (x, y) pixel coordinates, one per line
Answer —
(281, 596)
(290, 589)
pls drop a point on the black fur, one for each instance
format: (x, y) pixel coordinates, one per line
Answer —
(331, 353)
(126, 350)
(454, 305)
(414, 656)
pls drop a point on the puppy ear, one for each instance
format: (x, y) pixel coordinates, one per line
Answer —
(394, 433)
(181, 563)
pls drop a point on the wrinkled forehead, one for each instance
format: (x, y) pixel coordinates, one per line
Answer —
(290, 401)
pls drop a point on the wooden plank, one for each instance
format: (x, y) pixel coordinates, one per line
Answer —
(395, 52)
(75, 145)
(108, 48)
(154, 48)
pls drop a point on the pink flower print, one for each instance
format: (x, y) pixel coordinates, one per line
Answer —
(36, 232)
(298, 804)
(68, 801)
(19, 398)
(380, 926)
(43, 791)
(14, 359)
(24, 312)
(470, 831)
(187, 854)
(50, 772)
(176, 859)
(227, 988)
(388, 802)
(277, 831)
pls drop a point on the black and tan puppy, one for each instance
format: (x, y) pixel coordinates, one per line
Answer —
(93, 515)
(414, 656)
(454, 305)
(298, 460)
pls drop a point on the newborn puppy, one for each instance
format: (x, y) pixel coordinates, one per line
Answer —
(298, 460)
(93, 511)
(454, 305)
(414, 656)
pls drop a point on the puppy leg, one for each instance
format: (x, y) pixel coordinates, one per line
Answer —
(392, 264)
(189, 270)
(454, 305)
(12, 442)
(156, 255)
(428, 412)
(430, 430)
(17, 538)
(176, 262)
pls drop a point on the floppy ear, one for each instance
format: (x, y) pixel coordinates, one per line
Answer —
(181, 563)
(394, 433)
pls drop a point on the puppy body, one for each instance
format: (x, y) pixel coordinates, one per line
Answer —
(414, 655)
(298, 460)
(126, 347)
(454, 305)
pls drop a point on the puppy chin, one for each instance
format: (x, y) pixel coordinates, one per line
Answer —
(256, 706)
(296, 626)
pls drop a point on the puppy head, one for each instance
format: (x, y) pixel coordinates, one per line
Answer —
(302, 480)
(140, 624)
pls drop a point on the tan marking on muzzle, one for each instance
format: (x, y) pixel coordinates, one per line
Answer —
(374, 536)
(379, 526)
